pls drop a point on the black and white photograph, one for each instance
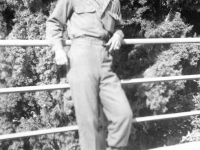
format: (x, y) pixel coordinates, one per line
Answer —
(99, 74)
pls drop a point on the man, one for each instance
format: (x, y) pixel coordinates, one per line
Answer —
(91, 27)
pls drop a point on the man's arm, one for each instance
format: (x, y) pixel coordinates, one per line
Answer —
(118, 35)
(55, 27)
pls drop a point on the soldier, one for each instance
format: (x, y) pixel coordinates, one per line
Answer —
(91, 25)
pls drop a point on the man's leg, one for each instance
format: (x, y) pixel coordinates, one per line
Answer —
(115, 105)
(84, 78)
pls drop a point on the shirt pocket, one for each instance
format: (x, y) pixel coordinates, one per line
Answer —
(86, 17)
(84, 9)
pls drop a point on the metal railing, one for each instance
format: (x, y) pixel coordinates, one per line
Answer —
(125, 41)
(125, 82)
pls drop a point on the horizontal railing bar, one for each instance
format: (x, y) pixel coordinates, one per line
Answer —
(166, 116)
(183, 146)
(23, 43)
(160, 79)
(125, 41)
(38, 132)
(71, 128)
(33, 88)
(161, 41)
(125, 82)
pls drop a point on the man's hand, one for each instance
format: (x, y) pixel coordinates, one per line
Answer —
(61, 57)
(115, 42)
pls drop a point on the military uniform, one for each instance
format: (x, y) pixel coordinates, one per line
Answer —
(90, 24)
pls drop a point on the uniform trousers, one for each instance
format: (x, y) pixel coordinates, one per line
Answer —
(94, 84)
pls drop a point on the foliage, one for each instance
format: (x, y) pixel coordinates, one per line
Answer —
(31, 66)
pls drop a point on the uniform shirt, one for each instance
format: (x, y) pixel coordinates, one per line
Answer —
(82, 20)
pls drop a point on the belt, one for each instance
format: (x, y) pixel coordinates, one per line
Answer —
(89, 40)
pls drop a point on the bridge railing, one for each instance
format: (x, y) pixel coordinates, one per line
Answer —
(125, 41)
(4, 43)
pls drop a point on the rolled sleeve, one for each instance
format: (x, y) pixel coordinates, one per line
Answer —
(119, 32)
(119, 22)
(118, 28)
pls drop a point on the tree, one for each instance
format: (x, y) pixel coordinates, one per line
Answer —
(31, 66)
(34, 66)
